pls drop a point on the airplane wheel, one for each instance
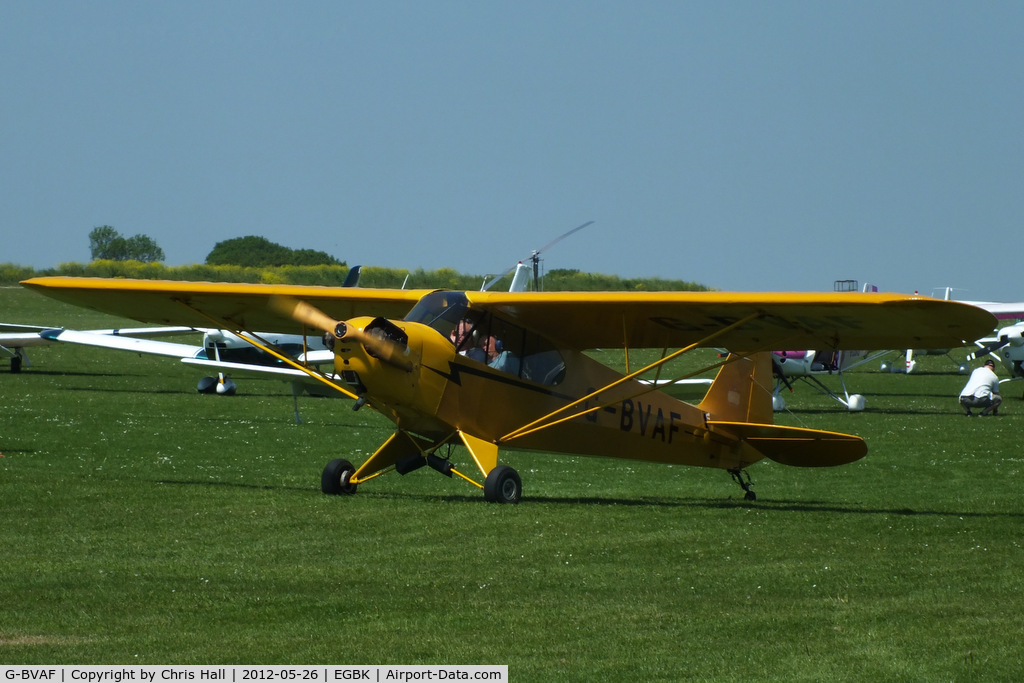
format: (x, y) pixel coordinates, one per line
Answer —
(503, 485)
(335, 479)
(226, 388)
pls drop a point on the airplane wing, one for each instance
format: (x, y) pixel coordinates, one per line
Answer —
(583, 320)
(19, 340)
(217, 304)
(847, 320)
(123, 343)
(20, 336)
(1002, 311)
(11, 328)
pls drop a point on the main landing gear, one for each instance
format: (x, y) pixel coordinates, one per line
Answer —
(335, 481)
(742, 478)
(502, 484)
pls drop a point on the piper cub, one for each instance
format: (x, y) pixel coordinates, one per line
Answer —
(497, 371)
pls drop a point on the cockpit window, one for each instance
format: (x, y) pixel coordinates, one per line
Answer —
(440, 310)
(487, 339)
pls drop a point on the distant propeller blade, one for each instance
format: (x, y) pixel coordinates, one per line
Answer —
(989, 348)
(560, 238)
(777, 368)
(534, 256)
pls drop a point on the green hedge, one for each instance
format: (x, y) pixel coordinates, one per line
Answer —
(371, 276)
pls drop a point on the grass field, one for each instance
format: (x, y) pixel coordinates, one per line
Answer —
(144, 523)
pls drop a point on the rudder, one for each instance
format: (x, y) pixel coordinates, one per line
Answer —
(742, 390)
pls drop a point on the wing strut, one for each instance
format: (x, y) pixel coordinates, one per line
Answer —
(548, 420)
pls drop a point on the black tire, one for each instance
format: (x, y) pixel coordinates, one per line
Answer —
(503, 485)
(335, 479)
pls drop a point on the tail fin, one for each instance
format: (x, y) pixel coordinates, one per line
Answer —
(352, 279)
(520, 279)
(742, 391)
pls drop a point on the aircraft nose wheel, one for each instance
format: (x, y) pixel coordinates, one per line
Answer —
(503, 485)
(335, 481)
(747, 485)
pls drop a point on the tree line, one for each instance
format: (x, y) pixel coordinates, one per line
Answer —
(258, 260)
(107, 244)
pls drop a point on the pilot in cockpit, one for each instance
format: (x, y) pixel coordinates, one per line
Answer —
(473, 344)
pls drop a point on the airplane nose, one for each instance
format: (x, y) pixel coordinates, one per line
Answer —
(380, 337)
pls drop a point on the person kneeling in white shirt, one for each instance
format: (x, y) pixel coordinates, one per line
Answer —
(982, 391)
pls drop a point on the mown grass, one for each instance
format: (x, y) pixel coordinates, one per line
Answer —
(144, 523)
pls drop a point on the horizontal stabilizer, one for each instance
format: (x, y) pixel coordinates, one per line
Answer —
(796, 446)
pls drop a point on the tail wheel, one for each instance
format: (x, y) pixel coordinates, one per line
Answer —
(336, 479)
(503, 485)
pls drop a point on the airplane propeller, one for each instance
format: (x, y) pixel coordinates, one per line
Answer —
(306, 314)
(534, 257)
(375, 341)
(989, 348)
(777, 369)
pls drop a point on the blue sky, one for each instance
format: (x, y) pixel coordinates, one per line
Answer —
(744, 145)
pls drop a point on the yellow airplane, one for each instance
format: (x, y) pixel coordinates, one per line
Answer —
(507, 370)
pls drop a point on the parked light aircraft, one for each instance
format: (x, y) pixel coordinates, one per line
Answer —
(808, 365)
(398, 351)
(221, 351)
(1006, 346)
(1004, 312)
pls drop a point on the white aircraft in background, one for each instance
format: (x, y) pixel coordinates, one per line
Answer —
(1007, 347)
(221, 351)
(14, 339)
(1004, 312)
(808, 365)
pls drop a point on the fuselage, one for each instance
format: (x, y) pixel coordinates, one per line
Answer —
(501, 378)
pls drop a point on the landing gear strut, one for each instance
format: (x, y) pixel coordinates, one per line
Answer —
(738, 477)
